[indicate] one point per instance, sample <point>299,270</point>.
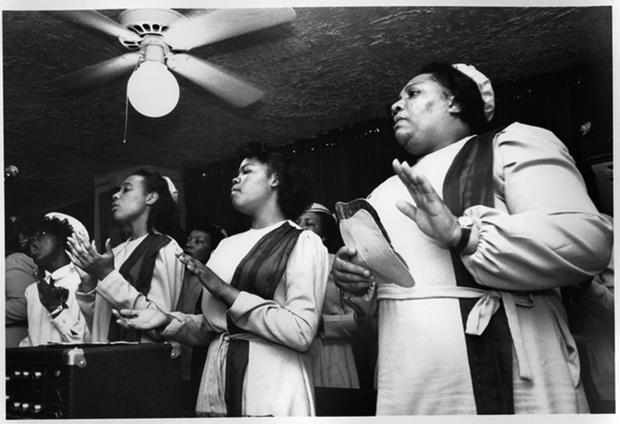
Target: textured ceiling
<point>328,68</point>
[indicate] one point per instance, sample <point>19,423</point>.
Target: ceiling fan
<point>158,40</point>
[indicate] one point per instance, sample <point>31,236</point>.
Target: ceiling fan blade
<point>198,30</point>
<point>99,72</point>
<point>212,78</point>
<point>94,19</point>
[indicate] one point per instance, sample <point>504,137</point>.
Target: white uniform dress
<point>114,292</point>
<point>542,233</point>
<point>333,361</point>
<point>69,326</point>
<point>279,331</point>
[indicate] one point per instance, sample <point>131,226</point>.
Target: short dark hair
<point>294,188</point>
<point>52,225</point>
<point>333,240</point>
<point>465,92</point>
<point>164,215</point>
<point>216,233</point>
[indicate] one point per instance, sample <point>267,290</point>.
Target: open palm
<point>430,213</point>
<point>141,319</point>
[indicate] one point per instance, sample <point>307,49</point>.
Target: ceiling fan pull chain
<point>126,118</point>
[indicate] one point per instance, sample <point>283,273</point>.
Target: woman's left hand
<point>430,213</point>
<point>141,319</point>
<point>208,278</point>
<point>86,256</point>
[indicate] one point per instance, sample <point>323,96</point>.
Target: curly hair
<point>164,215</point>
<point>294,188</point>
<point>52,225</point>
<point>465,92</point>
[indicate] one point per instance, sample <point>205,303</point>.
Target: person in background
<point>143,271</point>
<point>490,226</point>
<point>262,300</point>
<point>54,314</point>
<point>590,308</point>
<point>332,358</point>
<point>202,239</point>
<point>19,274</point>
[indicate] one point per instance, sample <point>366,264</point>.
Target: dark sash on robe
<point>469,182</point>
<point>138,271</point>
<point>259,273</point>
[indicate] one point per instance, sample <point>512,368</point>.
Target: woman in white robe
<point>538,232</point>
<point>280,327</point>
<point>142,271</point>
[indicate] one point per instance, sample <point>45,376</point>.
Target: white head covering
<point>319,208</point>
<point>484,85</point>
<point>173,190</point>
<point>77,226</point>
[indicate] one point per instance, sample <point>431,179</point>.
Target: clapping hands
<point>85,256</point>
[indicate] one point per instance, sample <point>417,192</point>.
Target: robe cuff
<point>243,303</point>
<point>174,327</point>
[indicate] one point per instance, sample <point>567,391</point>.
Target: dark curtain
<point>349,162</point>
<point>344,164</point>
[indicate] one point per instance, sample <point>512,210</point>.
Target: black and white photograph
<point>328,210</point>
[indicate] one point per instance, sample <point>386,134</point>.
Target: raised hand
<point>85,256</point>
<point>194,266</point>
<point>349,275</point>
<point>209,279</point>
<point>141,319</point>
<point>430,213</point>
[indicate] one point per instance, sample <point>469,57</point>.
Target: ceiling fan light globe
<point>152,90</point>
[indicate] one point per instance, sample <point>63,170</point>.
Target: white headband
<point>77,226</point>
<point>172,189</point>
<point>319,208</point>
<point>484,85</point>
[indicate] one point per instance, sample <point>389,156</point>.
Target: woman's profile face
<point>130,201</point>
<point>253,186</point>
<point>420,111</point>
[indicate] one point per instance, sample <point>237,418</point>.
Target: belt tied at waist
<point>480,315</point>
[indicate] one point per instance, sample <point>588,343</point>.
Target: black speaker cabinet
<point>93,381</point>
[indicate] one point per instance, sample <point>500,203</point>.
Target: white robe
<point>69,326</point>
<point>114,292</point>
<point>542,233</point>
<point>279,331</point>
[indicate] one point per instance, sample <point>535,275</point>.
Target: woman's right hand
<point>141,319</point>
<point>84,255</point>
<point>349,275</point>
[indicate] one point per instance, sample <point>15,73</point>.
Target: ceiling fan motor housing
<point>146,22</point>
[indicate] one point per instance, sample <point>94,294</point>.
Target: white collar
<point>60,273</point>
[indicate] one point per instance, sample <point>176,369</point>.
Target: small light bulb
<point>152,90</point>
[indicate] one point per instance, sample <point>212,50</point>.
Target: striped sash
<point>138,271</point>
<point>259,273</point>
<point>469,182</point>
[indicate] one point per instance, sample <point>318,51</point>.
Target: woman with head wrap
<point>333,362</point>
<point>141,272</point>
<point>54,314</point>
<point>489,226</point>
